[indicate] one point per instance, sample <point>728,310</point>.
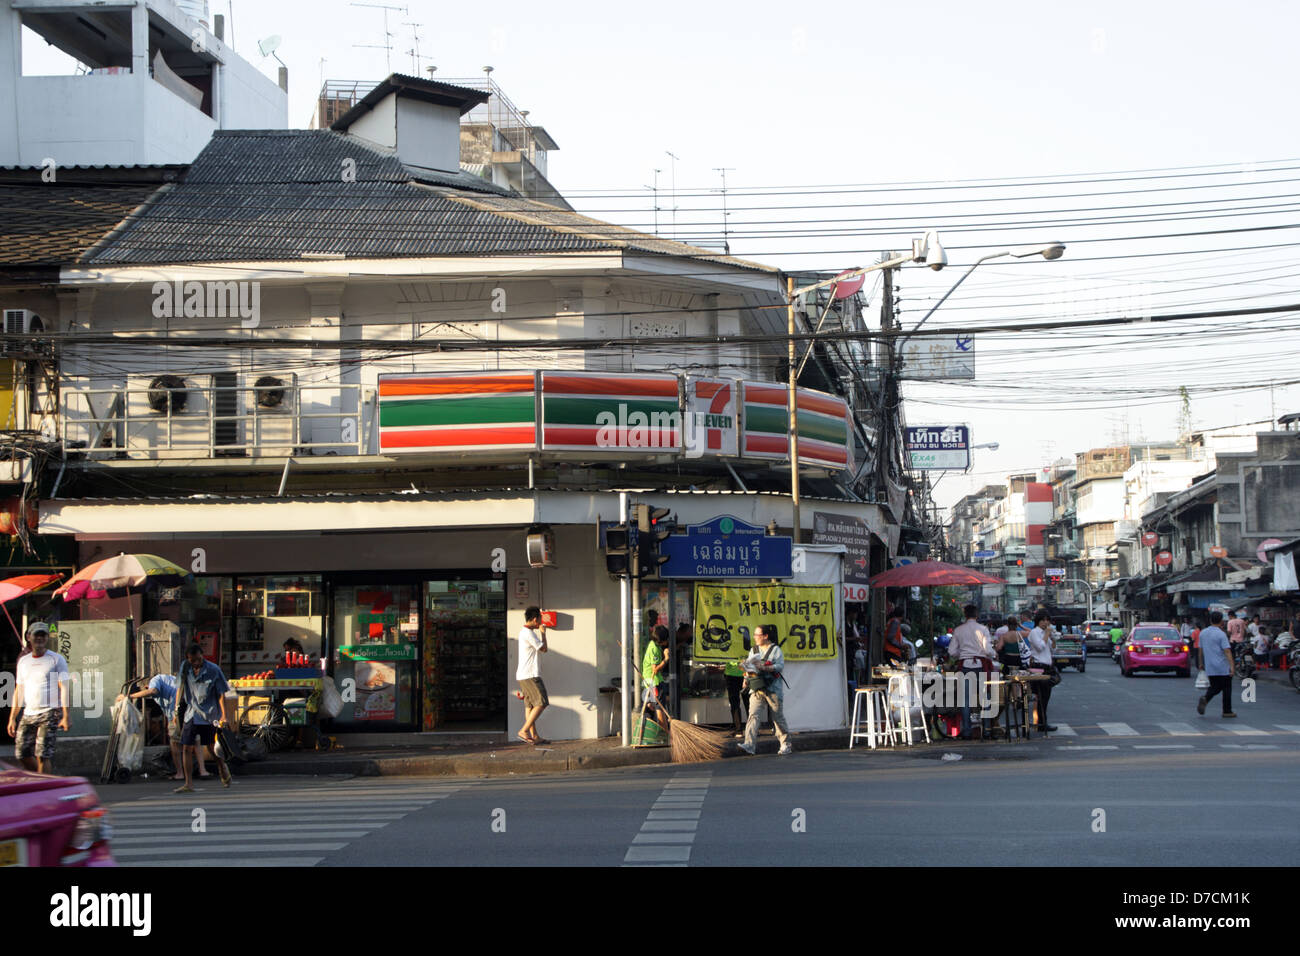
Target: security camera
<point>930,251</point>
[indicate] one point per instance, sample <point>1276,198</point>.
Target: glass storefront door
<point>465,656</point>
<point>375,629</point>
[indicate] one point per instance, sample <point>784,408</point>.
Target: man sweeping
<point>763,669</point>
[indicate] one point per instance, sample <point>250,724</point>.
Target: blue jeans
<point>964,690</point>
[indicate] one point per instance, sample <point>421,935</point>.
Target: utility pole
<point>793,402</point>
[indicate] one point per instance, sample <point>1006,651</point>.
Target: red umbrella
<point>931,574</point>
<point>11,588</point>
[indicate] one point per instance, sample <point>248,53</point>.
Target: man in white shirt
<point>971,649</point>
<point>42,696</point>
<point>532,641</point>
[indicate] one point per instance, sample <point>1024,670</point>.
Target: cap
<point>37,627</point>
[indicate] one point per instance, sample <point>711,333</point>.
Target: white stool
<point>905,692</point>
<point>880,726</point>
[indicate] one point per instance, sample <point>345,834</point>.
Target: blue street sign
<point>726,547</point>
<point>986,554</point>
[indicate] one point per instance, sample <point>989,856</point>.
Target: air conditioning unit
<point>20,322</point>
<point>271,405</point>
<point>167,415</point>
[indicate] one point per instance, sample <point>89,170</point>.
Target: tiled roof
<point>277,195</point>
<point>50,224</point>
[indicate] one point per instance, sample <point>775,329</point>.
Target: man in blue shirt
<point>202,690</point>
<point>1217,651</point>
<point>162,688</point>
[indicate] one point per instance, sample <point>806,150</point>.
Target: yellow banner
<point>800,618</point>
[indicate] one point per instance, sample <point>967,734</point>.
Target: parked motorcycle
<point>1293,663</point>
<point>1244,660</point>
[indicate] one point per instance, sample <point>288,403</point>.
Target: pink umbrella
<point>11,588</point>
<point>925,574</point>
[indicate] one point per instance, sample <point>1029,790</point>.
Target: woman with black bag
<point>1036,652</point>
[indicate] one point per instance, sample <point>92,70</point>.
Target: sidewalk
<point>500,760</point>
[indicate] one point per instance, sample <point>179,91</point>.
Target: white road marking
<point>1181,730</point>
<point>1163,747</point>
<point>673,815</point>
<point>657,854</point>
<point>205,846</point>
<point>1289,728</point>
<point>1091,747</point>
<point>669,828</point>
<point>661,839</point>
<point>252,861</point>
<point>1250,746</point>
<point>1244,731</point>
<point>1118,730</point>
<point>1065,730</point>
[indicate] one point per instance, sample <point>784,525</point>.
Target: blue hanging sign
<point>726,547</point>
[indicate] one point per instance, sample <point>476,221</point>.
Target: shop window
<point>464,656</point>
<point>375,630</point>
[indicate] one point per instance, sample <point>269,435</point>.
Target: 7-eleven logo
<point>716,418</point>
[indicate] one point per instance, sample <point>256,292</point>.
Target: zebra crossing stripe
<point>1065,730</point>
<point>1118,730</point>
<point>669,828</point>
<point>1181,730</point>
<point>1244,731</point>
<point>1289,728</point>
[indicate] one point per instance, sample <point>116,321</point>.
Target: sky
<point>1157,140</point>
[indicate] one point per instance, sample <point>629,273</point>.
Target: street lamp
<point>1053,250</point>
<point>927,249</point>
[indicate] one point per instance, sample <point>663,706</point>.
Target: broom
<point>694,744</point>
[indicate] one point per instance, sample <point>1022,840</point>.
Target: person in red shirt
<point>894,638</point>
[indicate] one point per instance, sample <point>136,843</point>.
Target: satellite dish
<point>269,45</point>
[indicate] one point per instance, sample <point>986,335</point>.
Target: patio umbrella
<point>11,588</point>
<point>931,574</point>
<point>121,575</point>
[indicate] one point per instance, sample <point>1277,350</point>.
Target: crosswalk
<point>669,828</point>
<point>253,825</point>
<point>1114,735</point>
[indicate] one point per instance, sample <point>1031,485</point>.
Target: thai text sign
<point>938,447</point>
<point>726,547</point>
<point>800,618</point>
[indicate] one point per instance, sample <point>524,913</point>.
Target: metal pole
<point>624,605</point>
<point>794,413</point>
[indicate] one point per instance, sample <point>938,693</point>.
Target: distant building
<point>154,85</point>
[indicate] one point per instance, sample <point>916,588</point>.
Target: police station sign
<point>938,447</point>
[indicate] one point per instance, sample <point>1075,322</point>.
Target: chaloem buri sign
<point>938,447</point>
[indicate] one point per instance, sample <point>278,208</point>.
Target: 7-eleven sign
<point>712,426</point>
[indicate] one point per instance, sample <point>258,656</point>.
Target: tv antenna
<point>414,52</point>
<point>387,45</point>
<point>723,170</point>
<point>673,187</point>
<point>655,192</point>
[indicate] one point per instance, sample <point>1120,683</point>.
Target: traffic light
<point>1020,562</point>
<point>618,550</point>
<point>652,527</point>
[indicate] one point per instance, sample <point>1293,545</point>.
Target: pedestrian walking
<point>532,641</point>
<point>201,691</point>
<point>162,688</point>
<point>763,675</point>
<point>1041,643</point>
<point>971,649</point>
<point>41,696</point>
<point>1217,648</point>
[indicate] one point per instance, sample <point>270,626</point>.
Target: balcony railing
<point>177,419</point>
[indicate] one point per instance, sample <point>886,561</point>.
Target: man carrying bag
<point>763,669</point>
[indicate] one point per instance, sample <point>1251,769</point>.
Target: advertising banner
<point>457,412</point>
<point>938,447</point>
<point>801,619</point>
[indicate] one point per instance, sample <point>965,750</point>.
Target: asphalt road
<point>1134,776</point>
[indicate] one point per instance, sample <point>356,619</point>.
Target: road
<point>1134,776</point>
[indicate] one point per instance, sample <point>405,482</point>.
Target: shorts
<point>534,692</point>
<point>657,692</point>
<point>36,733</point>
<point>206,733</point>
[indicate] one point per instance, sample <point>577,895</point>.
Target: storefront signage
<point>801,619</point>
<point>854,534</point>
<point>856,593</point>
<point>458,412</point>
<point>938,447</point>
<point>982,555</point>
<point>611,411</point>
<point>713,422</point>
<point>381,617</point>
<point>938,357</point>
<point>378,652</point>
<point>1149,538</point>
<point>823,426</point>
<point>726,547</point>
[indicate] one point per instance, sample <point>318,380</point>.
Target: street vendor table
<point>276,689</point>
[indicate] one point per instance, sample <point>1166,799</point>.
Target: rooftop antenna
<point>673,187</point>
<point>431,70</point>
<point>387,46</point>
<point>415,46</point>
<point>655,192</point>
<point>723,170</point>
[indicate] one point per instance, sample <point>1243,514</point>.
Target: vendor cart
<point>275,710</point>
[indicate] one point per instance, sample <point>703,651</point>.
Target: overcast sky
<point>1158,140</point>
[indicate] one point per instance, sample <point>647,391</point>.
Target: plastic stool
<point>880,727</point>
<point>904,690</point>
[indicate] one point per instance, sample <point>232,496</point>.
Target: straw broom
<point>694,744</point>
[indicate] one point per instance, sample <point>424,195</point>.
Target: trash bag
<point>1202,681</point>
<point>130,743</point>
<point>331,701</point>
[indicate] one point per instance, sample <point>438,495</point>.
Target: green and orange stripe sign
<point>450,411</point>
<point>611,411</point>
<point>823,426</point>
